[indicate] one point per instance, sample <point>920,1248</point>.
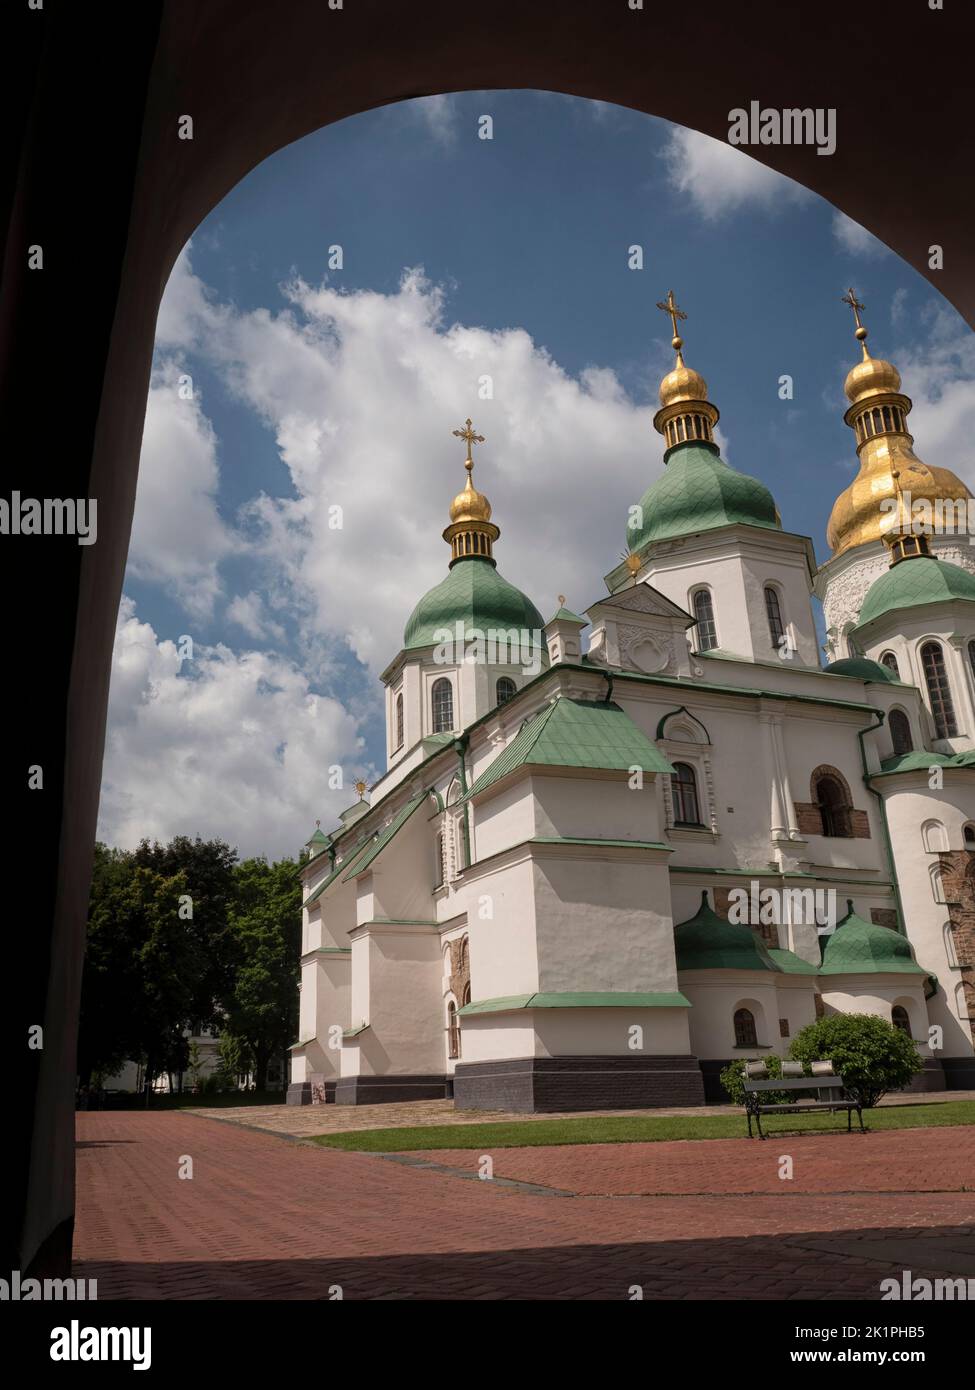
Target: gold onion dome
<point>889,467</point>
<point>471,532</point>
<point>685,413</point>
<point>470,505</point>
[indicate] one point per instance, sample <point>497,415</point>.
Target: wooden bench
<point>794,1082</point>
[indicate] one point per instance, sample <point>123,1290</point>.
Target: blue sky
<point>317,388</point>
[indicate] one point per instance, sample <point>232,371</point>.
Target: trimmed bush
<point>872,1056</point>
<point>732,1079</point>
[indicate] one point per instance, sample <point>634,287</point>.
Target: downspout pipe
<point>460,748</point>
<point>870,729</point>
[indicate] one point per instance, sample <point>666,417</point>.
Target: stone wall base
<point>299,1093</point>
<point>959,1073</point>
<point>387,1090</point>
<point>540,1085</point>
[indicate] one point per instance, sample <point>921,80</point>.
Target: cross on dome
<point>471,438</point>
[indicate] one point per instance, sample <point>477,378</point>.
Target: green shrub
<point>870,1054</point>
<point>733,1079</point>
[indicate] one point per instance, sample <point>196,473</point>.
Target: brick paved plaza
<point>268,1217</point>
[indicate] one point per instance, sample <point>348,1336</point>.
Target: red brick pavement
<point>265,1218</point>
<point>910,1160</point>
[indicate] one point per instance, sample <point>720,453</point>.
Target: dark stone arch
<point>112,227</point>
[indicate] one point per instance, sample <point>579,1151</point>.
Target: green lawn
<point>628,1129</point>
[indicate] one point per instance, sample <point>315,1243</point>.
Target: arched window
<point>969,835</point>
<point>438,864</point>
<point>900,732</point>
<point>399,720</point>
<point>442,697</point>
<point>890,661</point>
<point>971,656</point>
<point>773,611</point>
<point>745,1034</point>
<point>934,837</point>
<point>466,999</point>
<point>504,690</point>
<point>939,691</point>
<point>833,808</point>
<point>899,1018</point>
<point>453,1030</point>
<point>683,786</point>
<point>707,633</point>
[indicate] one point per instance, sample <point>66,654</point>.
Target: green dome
<point>475,594</point>
<point>863,668</point>
<point>699,492</point>
<point>707,942</point>
<point>857,947</point>
<point>910,583</point>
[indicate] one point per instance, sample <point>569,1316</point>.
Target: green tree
<point>142,969</point>
<point>208,870</point>
<point>261,1008</point>
<point>870,1054</point>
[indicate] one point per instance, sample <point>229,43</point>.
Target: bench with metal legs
<point>793,1081</point>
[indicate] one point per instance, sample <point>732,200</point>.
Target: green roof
<point>911,583</point>
<point>377,845</point>
<point>863,669</point>
<point>707,942</point>
<point>790,963</point>
<point>318,837</point>
<point>568,999</point>
<point>920,760</point>
<point>475,594</point>
<point>699,492</point>
<point>566,615</point>
<point>858,947</point>
<point>576,733</point>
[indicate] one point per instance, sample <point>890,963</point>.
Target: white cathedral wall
<point>400,883</point>
<point>905,633</point>
<point>599,1032</point>
<point>877,995</point>
<point>596,807</point>
<point>714,998</point>
<point>913,814</point>
<point>397,990</point>
<point>503,951</point>
<point>497,1037</point>
<point>323,1004</point>
<point>603,924</point>
<point>505,818</point>
<point>736,567</point>
<point>842,584</point>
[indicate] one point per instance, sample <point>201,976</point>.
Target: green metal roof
<point>699,492</point>
<point>576,733</point>
<point>920,760</point>
<point>598,999</point>
<point>863,669</point>
<point>790,963</point>
<point>858,947</point>
<point>475,594</point>
<point>707,942</point>
<point>376,846</point>
<point>566,615</point>
<point>318,837</point>
<point>911,583</point>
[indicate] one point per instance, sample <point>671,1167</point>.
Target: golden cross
<point>471,438</point>
<point>854,303</point>
<point>670,307</point>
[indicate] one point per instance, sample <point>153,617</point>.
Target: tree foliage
<point>182,937</point>
<point>871,1055</point>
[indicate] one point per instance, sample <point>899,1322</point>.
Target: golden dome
<point>871,377</point>
<point>682,384</point>
<point>470,505</point>
<point>857,518</point>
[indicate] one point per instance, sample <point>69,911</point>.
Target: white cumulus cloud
<point>233,745</point>
<point>719,178</point>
